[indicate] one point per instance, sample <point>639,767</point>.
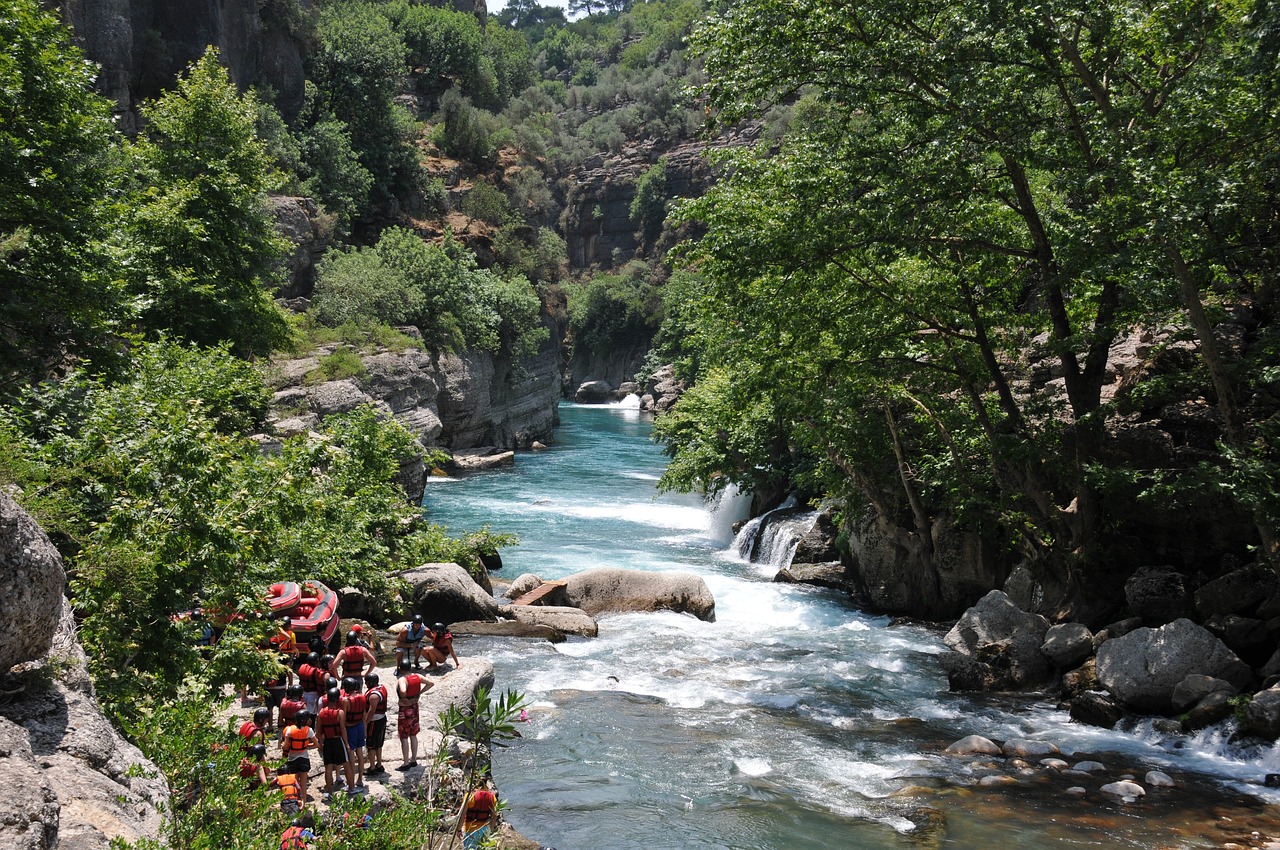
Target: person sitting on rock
<point>408,690</point>
<point>409,642</point>
<point>441,648</point>
<point>375,696</point>
<point>355,659</point>
<point>332,725</point>
<point>295,742</point>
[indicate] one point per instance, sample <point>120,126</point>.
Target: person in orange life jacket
<point>286,643</point>
<point>332,725</point>
<point>253,767</point>
<point>289,707</point>
<point>299,835</point>
<point>295,742</point>
<point>353,659</point>
<point>409,642</point>
<point>255,731</point>
<point>410,687</point>
<point>441,648</point>
<point>375,721</point>
<point>480,815</point>
<point>353,703</point>
<point>307,678</point>
<point>291,788</point>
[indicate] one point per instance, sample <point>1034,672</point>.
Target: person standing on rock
<point>355,659</point>
<point>375,722</point>
<point>332,722</point>
<point>354,704</point>
<point>441,648</point>
<point>409,642</point>
<point>294,744</point>
<point>307,678</point>
<point>408,690</point>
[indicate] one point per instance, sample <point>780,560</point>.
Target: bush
<point>614,311</point>
<point>356,285</point>
<point>486,203</point>
<point>649,207</point>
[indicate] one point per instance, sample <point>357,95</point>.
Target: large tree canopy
<point>963,184</point>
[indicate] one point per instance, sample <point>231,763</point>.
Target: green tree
<point>648,208</point>
<point>60,287</point>
<point>207,248</point>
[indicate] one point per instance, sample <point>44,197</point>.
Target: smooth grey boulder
<point>1003,641</point>
<point>507,628</point>
<point>1238,592</point>
<point>522,585</point>
<point>614,590</point>
<point>1142,668</point>
<point>31,583</point>
<point>593,392</point>
<point>1028,749</point>
<point>974,745</point>
<point>455,688</point>
<point>447,593</point>
<point>570,621</point>
<point>1196,687</point>
<point>1158,595</point>
<point>1262,714</point>
<point>1067,645</point>
<point>1095,708</point>
<point>1127,790</point>
<point>1210,709</point>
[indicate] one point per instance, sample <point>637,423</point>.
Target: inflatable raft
<point>283,596</point>
<point>316,612</point>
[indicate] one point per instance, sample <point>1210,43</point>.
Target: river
<point>794,720</point>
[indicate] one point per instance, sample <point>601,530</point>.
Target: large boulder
<point>569,621</point>
<point>1095,708</point>
<point>1002,641</point>
<point>593,392</point>
<point>1142,668</point>
<point>1238,592</point>
<point>1262,715</point>
<point>456,688</point>
<point>1067,645</point>
<point>447,593</point>
<point>31,582</point>
<point>613,590</point>
<point>1157,594</point>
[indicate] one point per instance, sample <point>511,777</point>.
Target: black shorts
<point>377,734</point>
<point>298,765</point>
<point>335,752</point>
<point>273,697</point>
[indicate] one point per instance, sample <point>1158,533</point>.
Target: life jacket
<point>252,734</point>
<point>295,838</point>
<point>352,660</point>
<point>381,691</point>
<point>330,724</point>
<point>414,638</point>
<point>284,642</point>
<point>356,704</point>
<point>295,740</point>
<point>442,642</point>
<point>414,686</point>
<point>288,783</point>
<point>289,709</point>
<point>248,767</point>
<point>480,805</point>
<point>306,675</point>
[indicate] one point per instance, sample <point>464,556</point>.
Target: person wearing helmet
<point>253,767</point>
<point>307,671</point>
<point>354,704</point>
<point>375,697</point>
<point>354,659</point>
<point>441,648</point>
<point>255,731</point>
<point>331,724</point>
<point>295,742</point>
<point>408,690</point>
<point>299,835</point>
<point>409,642</point>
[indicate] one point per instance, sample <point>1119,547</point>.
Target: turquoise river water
<point>794,720</point>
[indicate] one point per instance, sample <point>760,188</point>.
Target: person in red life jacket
<point>290,706</point>
<point>410,687</point>
<point>409,642</point>
<point>307,678</point>
<point>353,659</point>
<point>295,743</point>
<point>361,636</point>
<point>353,703</point>
<point>255,731</point>
<point>253,767</point>
<point>440,649</point>
<point>479,817</point>
<point>299,835</point>
<point>291,791</point>
<point>331,724</point>
<point>375,721</point>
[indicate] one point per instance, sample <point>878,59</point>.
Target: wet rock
<point>1067,645</point>
<point>1142,668</point>
<point>974,745</point>
<point>1054,764</point>
<point>1159,779</point>
<point>612,590</point>
<point>447,593</point>
<point>1023,748</point>
<point>1208,710</point>
<point>1002,641</point>
<point>831,574</point>
<point>593,392</point>
<point>31,583</point>
<point>1083,678</point>
<point>1088,766</point>
<point>1196,687</point>
<point>1157,595</point>
<point>1262,715</point>
<point>1127,791</point>
<point>522,585</point>
<point>1238,592</point>
<point>1076,791</point>
<point>1096,708</point>
<point>570,621</point>
<point>486,457</point>
<point>996,780</point>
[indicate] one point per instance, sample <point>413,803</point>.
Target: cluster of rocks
<point>1156,662</point>
<point>657,394</point>
<point>71,781</point>
<point>1019,760</point>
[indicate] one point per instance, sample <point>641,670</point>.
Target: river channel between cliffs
<point>794,720</point>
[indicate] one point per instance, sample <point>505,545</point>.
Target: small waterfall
<point>772,538</point>
<point>630,402</point>
<point>728,507</point>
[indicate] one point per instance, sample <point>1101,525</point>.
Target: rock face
<point>70,781</point>
<point>1144,667</point>
<point>447,593</point>
<point>143,44</point>
<point>31,582</point>
<point>998,645</point>
<point>612,590</point>
<point>298,220</point>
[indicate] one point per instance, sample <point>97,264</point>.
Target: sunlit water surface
<point>792,721</point>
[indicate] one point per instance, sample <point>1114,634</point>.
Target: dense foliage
<point>918,292</point>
